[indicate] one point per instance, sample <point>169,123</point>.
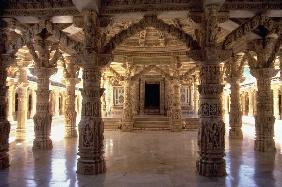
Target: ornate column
<point>196,94</point>
<point>211,132</point>
<point>71,71</point>
<point>91,127</point>
<point>103,99</point>
<point>23,101</point>
<point>263,70</point>
<point>251,103</point>
<point>234,71</point>
<point>276,102</point>
<point>109,95</point>
<point>45,66</point>
<point>4,123</point>
<point>127,116</point>
<point>11,95</point>
<point>176,112</point>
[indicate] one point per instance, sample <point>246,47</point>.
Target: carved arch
<point>249,26</point>
<point>151,21</point>
<point>71,45</point>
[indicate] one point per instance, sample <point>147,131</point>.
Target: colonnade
<point>211,134</point>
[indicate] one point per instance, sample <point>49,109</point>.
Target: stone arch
<point>151,21</point>
<point>250,26</point>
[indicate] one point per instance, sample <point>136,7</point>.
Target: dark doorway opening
<point>152,96</point>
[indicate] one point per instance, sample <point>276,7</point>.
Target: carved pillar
<point>235,118</point>
<point>4,123</point>
<point>127,116</point>
<point>33,108</point>
<point>109,96</point>
<point>55,103</point>
<point>234,77</point>
<point>11,95</point>
<point>196,95</point>
<point>135,98</point>
<point>211,133</point>
<point>176,114</point>
<point>251,103</point>
<point>45,66</point>
<point>103,99</point>
<point>142,95</point>
<point>69,110</point>
<point>42,118</point>
<point>71,72</point>
<point>23,100</point>
<point>263,70</point>
<point>276,102</point>
<point>264,117</point>
<point>91,127</point>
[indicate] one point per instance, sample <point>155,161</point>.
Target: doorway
<point>152,98</point>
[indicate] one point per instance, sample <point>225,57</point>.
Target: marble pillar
<point>264,117</point>
<point>176,112</point>
<point>91,127</point>
<point>22,103</point>
<point>276,102</point>
<point>69,109</point>
<point>211,140</point>
<point>235,117</point>
<point>44,67</point>
<point>234,74</point>
<point>263,70</point>
<point>11,95</point>
<point>127,116</point>
<point>71,72</point>
<point>196,95</point>
<point>42,118</point>
<point>251,103</point>
<point>4,123</point>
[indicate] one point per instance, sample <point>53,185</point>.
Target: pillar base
<point>70,133</point>
<point>211,168</point>
<point>235,134</point>
<point>127,126</point>
<point>4,161</point>
<point>42,144</point>
<point>266,145</point>
<point>87,167</point>
<point>20,134</point>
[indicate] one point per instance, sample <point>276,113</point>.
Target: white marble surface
<point>141,159</point>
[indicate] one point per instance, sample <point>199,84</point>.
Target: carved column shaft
<point>42,118</point>
<point>91,127</point>
<point>127,116</point>
<point>4,124</point>
<point>264,117</point>
<point>235,118</point>
<point>276,102</point>
<point>11,95</point>
<point>211,133</point>
<point>69,109</point>
<point>176,114</point>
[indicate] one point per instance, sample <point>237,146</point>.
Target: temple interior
<point>141,93</point>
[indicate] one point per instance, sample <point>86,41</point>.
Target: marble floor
<point>141,159</point>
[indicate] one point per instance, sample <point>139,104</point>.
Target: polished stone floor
<point>142,159</point>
